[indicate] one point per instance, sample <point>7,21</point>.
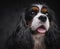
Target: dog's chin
<point>40,30</point>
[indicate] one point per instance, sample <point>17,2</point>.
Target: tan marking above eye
<point>35,8</point>
<point>44,10</point>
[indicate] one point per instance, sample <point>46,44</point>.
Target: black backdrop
<point>9,15</point>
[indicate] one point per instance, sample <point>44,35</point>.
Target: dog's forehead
<point>37,5</point>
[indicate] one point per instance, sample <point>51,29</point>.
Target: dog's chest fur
<point>39,41</point>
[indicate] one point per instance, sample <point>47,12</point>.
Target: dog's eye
<point>34,10</point>
<point>44,10</point>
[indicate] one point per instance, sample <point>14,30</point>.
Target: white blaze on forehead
<point>39,6</point>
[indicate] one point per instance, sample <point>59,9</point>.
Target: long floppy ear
<point>52,36</point>
<point>21,38</point>
<point>53,21</point>
<point>22,22</point>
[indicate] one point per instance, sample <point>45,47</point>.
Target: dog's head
<point>39,17</point>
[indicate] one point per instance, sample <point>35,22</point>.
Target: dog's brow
<point>35,8</point>
<point>44,10</point>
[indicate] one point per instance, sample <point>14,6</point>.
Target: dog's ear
<point>53,34</point>
<point>22,21</point>
<point>52,17</point>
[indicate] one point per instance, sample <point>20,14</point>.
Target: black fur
<point>22,39</point>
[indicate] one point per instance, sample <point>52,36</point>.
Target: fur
<point>24,38</point>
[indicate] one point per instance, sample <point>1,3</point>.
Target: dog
<point>36,29</point>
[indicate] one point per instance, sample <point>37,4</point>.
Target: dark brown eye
<point>44,10</point>
<point>33,13</point>
<point>34,10</point>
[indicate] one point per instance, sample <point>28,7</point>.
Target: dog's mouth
<point>41,29</point>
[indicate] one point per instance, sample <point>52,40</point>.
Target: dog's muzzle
<point>40,24</point>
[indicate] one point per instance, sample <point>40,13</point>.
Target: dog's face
<point>37,18</point>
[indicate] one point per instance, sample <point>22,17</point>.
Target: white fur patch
<point>36,22</point>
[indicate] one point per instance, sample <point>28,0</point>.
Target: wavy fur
<point>22,37</point>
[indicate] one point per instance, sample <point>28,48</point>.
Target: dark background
<point>10,12</point>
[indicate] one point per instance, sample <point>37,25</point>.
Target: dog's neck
<point>39,41</point>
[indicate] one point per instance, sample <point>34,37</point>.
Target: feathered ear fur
<point>53,34</point>
<point>21,38</point>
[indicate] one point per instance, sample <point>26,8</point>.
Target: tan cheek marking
<point>29,23</point>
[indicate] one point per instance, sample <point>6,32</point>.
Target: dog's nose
<point>43,18</point>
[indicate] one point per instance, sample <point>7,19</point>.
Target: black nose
<point>43,18</point>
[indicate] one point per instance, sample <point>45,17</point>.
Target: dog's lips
<point>41,30</point>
